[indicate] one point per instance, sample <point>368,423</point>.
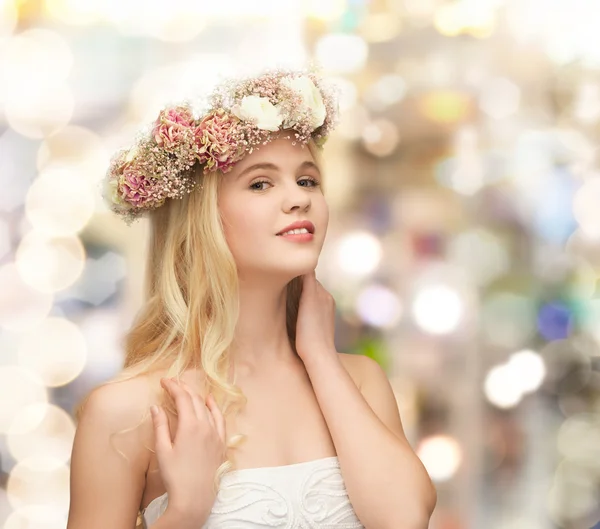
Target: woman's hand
<point>315,327</point>
<point>188,462</point>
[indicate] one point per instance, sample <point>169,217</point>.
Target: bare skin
<point>279,400</point>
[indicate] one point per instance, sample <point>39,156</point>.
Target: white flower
<point>261,110</point>
<point>311,96</point>
<point>110,193</point>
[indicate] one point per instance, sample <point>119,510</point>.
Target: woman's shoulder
<point>353,363</point>
<point>120,400</point>
<point>125,403</point>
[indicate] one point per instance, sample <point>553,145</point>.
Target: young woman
<point>234,410</point>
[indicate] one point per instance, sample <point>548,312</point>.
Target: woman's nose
<point>297,198</point>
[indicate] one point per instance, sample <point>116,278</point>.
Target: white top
<point>308,495</point>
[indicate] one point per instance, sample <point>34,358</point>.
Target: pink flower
<point>172,125</point>
<point>218,138</point>
<point>134,186</point>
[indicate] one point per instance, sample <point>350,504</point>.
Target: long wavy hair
<point>190,309</point>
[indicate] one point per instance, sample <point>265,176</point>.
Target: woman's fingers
<point>161,429</point>
<point>199,407</point>
<point>190,405</point>
<point>186,414</point>
<point>219,420</point>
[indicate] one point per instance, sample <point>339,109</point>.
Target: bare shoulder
<point>119,405</point>
<point>110,456</point>
<point>356,365</point>
<point>376,389</point>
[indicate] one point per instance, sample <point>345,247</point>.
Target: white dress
<point>309,495</point>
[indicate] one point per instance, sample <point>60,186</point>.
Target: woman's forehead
<point>282,152</point>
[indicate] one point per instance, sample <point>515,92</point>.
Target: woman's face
<point>267,191</point>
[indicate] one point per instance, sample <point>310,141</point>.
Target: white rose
<point>111,194</point>
<point>257,108</point>
<point>312,98</point>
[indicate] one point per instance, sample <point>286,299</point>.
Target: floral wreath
<point>242,115</point>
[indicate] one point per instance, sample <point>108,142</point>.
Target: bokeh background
<point>462,252</point>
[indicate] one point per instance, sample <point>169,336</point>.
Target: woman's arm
<point>387,484</point>
<point>106,488</point>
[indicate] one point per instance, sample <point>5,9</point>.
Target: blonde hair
<point>190,311</point>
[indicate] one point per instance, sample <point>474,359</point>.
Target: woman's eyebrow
<point>304,165</point>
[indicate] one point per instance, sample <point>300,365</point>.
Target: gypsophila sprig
<point>243,114</point>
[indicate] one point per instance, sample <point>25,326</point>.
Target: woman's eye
<point>258,186</point>
<point>309,182</point>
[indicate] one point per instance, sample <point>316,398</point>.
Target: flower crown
<point>242,115</point>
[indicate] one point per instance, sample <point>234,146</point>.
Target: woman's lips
<point>297,237</point>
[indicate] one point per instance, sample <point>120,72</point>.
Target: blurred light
<point>55,351</point>
<point>173,21</point>
<point>591,318</point>
<point>379,306</point>
<point>99,281</point>
<point>508,319</point>
<point>388,90</point>
<point>568,365</point>
<point>447,20</point>
<point>465,172</point>
<point>39,482</point>
<point>9,17</point>
<point>77,149</point>
<point>281,46</point>
<point>359,253</point>
<point>348,93</point>
<point>586,107</point>
<point>36,517</point>
<point>553,216</point>
<point>15,169</point>
<point>177,82</point>
<point>437,309</point>
<point>59,203</point>
<point>52,436</point>
<point>578,440</point>
<point>380,137</point>
<point>49,264</point>
<point>500,388</point>
<point>103,330</point>
<point>36,64</point>
<point>445,106</point>
<point>528,370</point>
<point>35,58</point>
<point>554,321</point>
<point>341,53</point>
<point>420,11</point>
<point>19,388</point>
<point>585,207</point>
<point>21,306</point>
<point>160,19</point>
<point>567,31</point>
<point>353,122</point>
<point>481,254</point>
<point>465,16</point>
<point>380,27</point>
<point>4,239</point>
<point>76,12</point>
<point>500,98</point>
<point>441,455</point>
<point>584,280</point>
<point>37,112</point>
<point>326,11</point>
<point>573,495</point>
